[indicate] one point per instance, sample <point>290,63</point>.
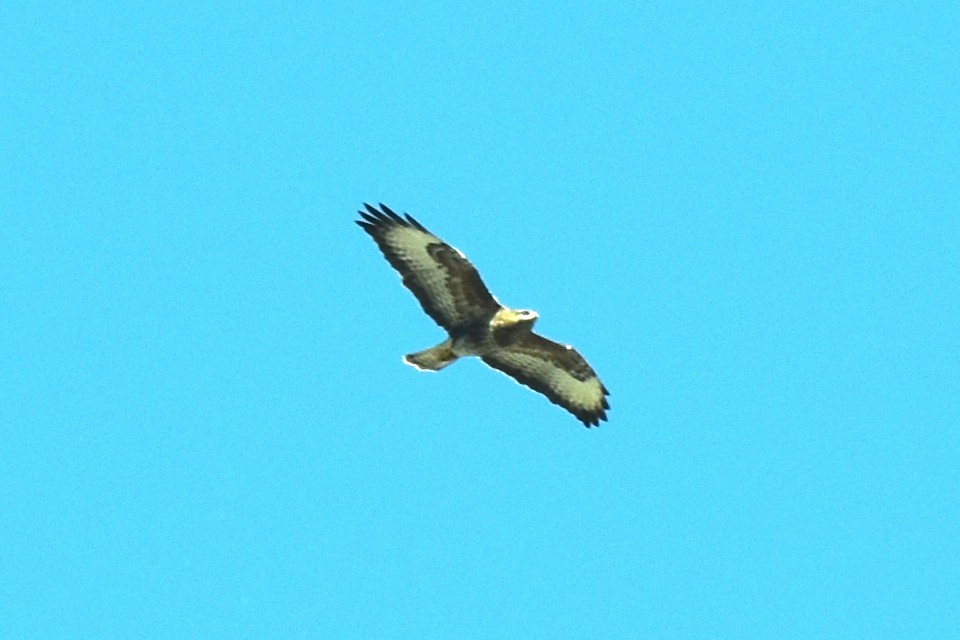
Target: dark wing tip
<point>375,220</point>
<point>593,417</point>
<point>413,222</point>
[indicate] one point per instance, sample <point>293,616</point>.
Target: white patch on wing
<point>410,245</point>
<point>586,394</point>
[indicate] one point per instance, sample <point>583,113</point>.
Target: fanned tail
<point>434,358</point>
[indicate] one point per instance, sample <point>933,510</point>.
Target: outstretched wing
<point>558,372</point>
<point>443,280</point>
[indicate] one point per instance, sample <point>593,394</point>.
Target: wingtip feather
<point>415,224</point>
<point>385,216</point>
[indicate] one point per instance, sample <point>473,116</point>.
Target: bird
<point>451,292</point>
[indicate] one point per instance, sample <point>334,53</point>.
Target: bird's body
<point>451,292</point>
<point>503,328</point>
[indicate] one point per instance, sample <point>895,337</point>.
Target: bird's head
<point>514,320</point>
<point>524,318</point>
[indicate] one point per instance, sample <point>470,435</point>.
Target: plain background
<point>744,214</point>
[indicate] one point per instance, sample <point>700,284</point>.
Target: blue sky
<point>744,215</point>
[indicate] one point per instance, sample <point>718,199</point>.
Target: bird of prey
<point>451,292</point>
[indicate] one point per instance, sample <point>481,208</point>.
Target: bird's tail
<point>434,358</point>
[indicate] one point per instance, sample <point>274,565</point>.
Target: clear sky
<point>745,215</point>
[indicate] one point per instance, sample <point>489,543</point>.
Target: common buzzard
<point>451,292</point>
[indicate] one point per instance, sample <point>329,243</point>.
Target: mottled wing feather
<point>443,280</point>
<point>558,372</point>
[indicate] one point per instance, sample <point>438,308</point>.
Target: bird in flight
<point>451,292</point>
